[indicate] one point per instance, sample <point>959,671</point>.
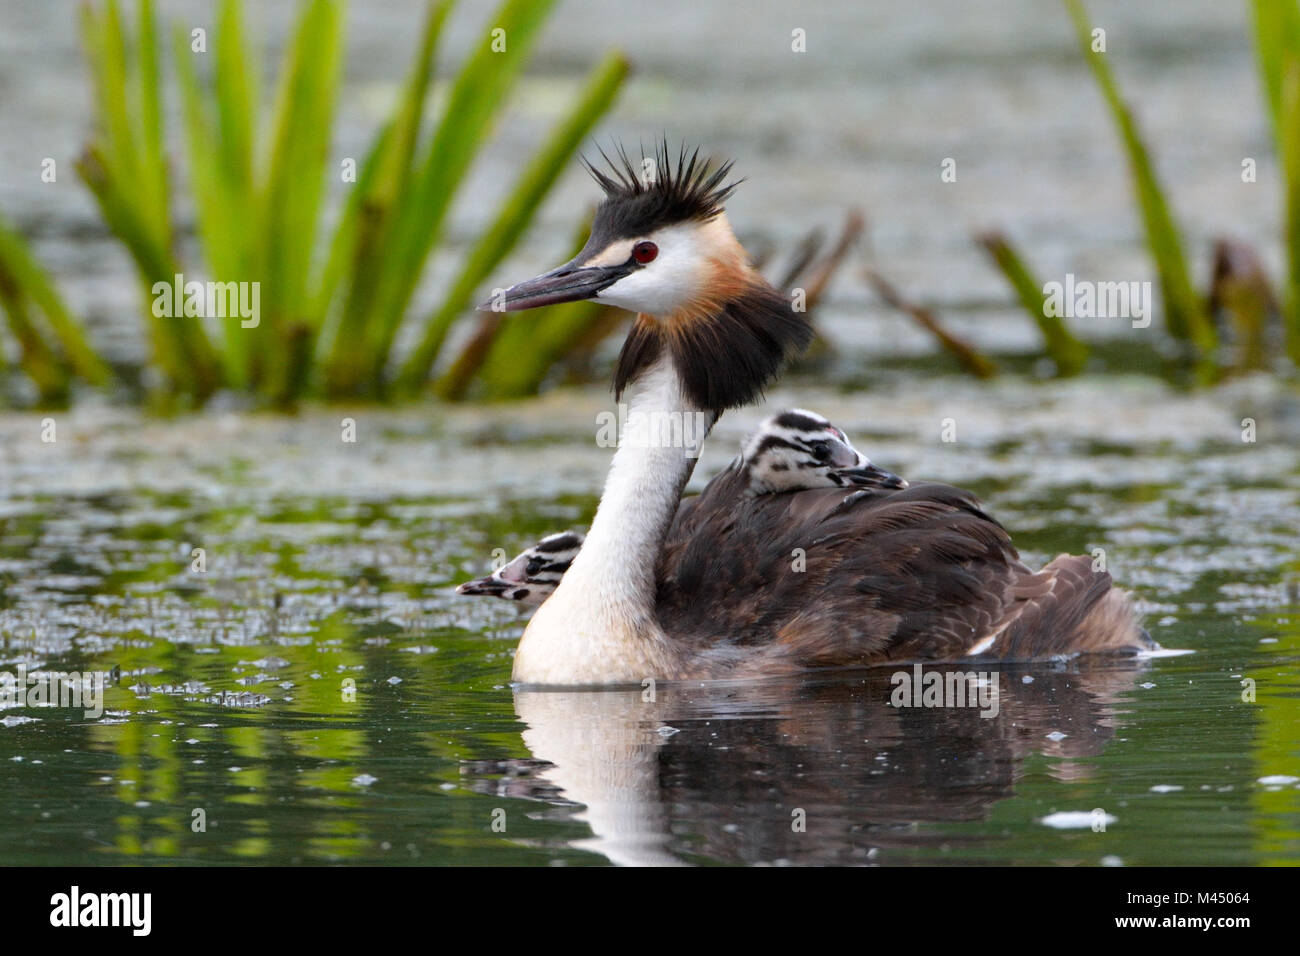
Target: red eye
<point>644,252</point>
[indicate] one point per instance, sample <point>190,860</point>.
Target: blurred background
<point>329,558</point>
<point>863,118</point>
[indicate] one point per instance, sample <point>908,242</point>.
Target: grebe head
<point>799,449</point>
<point>661,246</point>
<point>532,575</point>
<point>658,241</point>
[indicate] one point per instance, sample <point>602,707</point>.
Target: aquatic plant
<point>1277,53</point>
<point>1064,349</point>
<point>52,349</point>
<point>334,294</point>
<point>1186,319</point>
<point>1230,327</point>
<point>969,358</point>
<point>126,169</point>
<point>324,310</point>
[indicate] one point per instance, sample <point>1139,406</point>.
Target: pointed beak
<point>489,586</point>
<point>569,283</point>
<point>867,474</point>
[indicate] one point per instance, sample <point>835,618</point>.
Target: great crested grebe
<point>790,451</point>
<point>730,585</point>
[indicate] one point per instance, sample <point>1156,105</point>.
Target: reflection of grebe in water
<point>720,769</point>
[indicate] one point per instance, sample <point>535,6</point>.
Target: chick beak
<point>489,586</point>
<point>867,474</point>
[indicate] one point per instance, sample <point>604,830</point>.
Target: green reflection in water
<point>233,697</point>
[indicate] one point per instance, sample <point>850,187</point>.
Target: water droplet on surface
<point>1075,819</point>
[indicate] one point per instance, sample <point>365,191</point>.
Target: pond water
<point>320,694</point>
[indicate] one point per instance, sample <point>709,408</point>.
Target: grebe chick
<point>533,574</point>
<point>798,449</point>
<point>792,450</point>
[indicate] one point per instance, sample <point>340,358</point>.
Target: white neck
<point>599,626</point>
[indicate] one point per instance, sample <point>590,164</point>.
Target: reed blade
<point>970,358</point>
<point>359,253</point>
<point>289,198</point>
<point>1065,350</point>
<point>30,281</point>
<point>473,105</point>
<point>516,211</point>
<point>1185,316</point>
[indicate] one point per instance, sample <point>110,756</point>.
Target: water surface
<point>321,695</point>
<point>329,562</point>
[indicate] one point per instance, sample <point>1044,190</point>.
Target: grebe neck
<point>680,372</point>
<point>599,626</point>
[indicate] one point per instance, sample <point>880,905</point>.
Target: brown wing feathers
<point>917,573</point>
<point>1066,608</point>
